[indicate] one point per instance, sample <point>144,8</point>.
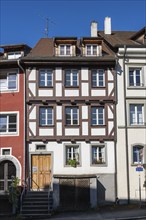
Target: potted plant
<point>14,193</point>
<point>73,162</point>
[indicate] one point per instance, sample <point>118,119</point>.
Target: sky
<point>24,21</point>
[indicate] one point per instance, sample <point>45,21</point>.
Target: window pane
<point>45,78</point>
<point>49,78</point>
<point>42,78</point>
<point>138,154</point>
<point>68,50</point>
<point>93,116</point>
<point>72,153</point>
<point>100,116</point>
<point>132,115</point>
<point>75,78</point>
<point>42,116</point>
<point>131,78</point>
<point>94,50</point>
<point>94,78</point>
<point>3,123</point>
<point>62,50</point>
<point>137,77</point>
<point>12,81</point>
<point>101,78</point>
<point>12,123</point>
<point>75,116</point>
<point>71,115</point>
<point>98,154</point>
<point>46,117</point>
<point>139,114</point>
<point>88,50</point>
<point>67,78</point>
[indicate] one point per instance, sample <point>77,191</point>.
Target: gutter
<point>126,123</point>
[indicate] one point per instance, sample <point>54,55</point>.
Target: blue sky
<point>24,21</point>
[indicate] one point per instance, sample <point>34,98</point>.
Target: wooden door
<point>41,171</point>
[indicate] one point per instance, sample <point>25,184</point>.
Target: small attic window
<point>14,55</point>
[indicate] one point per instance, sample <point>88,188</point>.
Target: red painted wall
<point>14,101</point>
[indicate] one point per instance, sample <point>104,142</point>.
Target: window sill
<point>97,126</point>
<point>71,126</point>
<point>137,126</point>
<point>45,87</point>
<point>98,87</point>
<point>9,134</point>
<point>8,91</point>
<point>136,87</point>
<point>99,165</point>
<point>46,126</point>
<point>72,87</point>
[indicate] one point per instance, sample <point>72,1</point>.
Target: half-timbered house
<point>71,98</point>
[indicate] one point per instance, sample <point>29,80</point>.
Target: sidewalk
<point>120,212</point>
<point>105,213</point>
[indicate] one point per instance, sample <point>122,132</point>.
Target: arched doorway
<point>7,170</point>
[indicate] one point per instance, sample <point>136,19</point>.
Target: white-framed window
<point>98,154</point>
<point>14,55</point>
<point>65,50</point>
<point>72,154</point>
<point>71,77</point>
<point>136,77</point>
<point>45,78</point>
<point>72,115</point>
<point>97,116</point>
<point>46,116</point>
<point>8,81</point>
<point>136,114</point>
<point>138,154</point>
<point>98,78</point>
<point>6,151</point>
<point>92,50</point>
<point>8,123</point>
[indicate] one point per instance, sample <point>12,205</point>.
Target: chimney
<point>93,29</point>
<point>107,25</point>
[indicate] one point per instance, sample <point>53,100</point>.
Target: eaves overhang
<point>69,60</point>
<point>8,63</point>
<point>132,51</point>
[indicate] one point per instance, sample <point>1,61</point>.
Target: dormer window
<point>65,50</point>
<point>14,55</point>
<point>92,50</point>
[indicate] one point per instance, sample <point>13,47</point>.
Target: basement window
<point>40,147</point>
<point>5,151</point>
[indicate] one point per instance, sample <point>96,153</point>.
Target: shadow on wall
<point>78,194</point>
<point>101,192</point>
<point>5,205</point>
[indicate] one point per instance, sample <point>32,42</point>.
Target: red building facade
<point>12,115</point>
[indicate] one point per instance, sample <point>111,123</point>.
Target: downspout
<point>24,164</point>
<point>115,125</point>
<point>126,123</point>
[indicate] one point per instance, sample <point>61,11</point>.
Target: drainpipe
<point>24,174</point>
<point>115,125</point>
<point>126,123</point>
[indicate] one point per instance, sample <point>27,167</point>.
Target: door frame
<point>30,166</point>
<point>17,164</point>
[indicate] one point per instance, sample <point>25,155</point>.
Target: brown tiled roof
<point>44,47</point>
<point>14,46</point>
<point>119,38</point>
